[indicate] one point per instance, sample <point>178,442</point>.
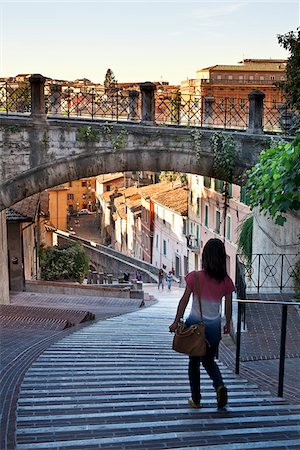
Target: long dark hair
<point>214,259</point>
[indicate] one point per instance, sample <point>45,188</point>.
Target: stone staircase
<point>118,385</point>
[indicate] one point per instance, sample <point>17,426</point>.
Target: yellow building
<point>81,194</point>
<point>58,206</point>
<point>69,198</point>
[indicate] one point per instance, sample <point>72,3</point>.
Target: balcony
<point>193,243</point>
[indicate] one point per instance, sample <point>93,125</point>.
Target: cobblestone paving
<point>117,384</point>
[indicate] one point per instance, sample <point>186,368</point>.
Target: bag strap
<point>197,291</point>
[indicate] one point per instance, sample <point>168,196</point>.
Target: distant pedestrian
<point>161,279</point>
<point>138,276</point>
<point>169,280</point>
<point>214,285</point>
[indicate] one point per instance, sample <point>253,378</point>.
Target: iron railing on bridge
<point>175,108</point>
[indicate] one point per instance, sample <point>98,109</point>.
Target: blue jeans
<point>161,283</point>
<point>211,367</point>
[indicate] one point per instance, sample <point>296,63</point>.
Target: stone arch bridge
<point>38,152</point>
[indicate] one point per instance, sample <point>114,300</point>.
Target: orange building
<point>219,94</point>
<point>58,206</point>
<point>81,194</point>
<point>69,198</point>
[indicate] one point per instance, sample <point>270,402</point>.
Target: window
<point>156,241</point>
<point>206,216</point>
<point>184,227</point>
<point>218,222</point>
<point>70,196</point>
<point>219,185</point>
<point>241,77</point>
<point>242,103</point>
<point>272,77</point>
<point>229,189</point>
<point>251,77</point>
<point>228,228</point>
<point>164,247</point>
<point>107,187</point>
<point>229,77</point>
<point>191,197</point>
<point>191,228</point>
<point>243,195</point>
<point>219,77</point>
<point>83,183</point>
<point>70,183</point>
<point>198,207</point>
<point>207,182</point>
<point>197,234</point>
<point>261,78</point>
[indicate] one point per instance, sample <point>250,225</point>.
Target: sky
<point>138,40</point>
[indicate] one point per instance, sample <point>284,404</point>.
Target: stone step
<point>129,390</point>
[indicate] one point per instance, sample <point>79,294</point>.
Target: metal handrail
<point>241,311</point>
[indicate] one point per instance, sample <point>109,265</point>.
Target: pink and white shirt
<point>212,292</point>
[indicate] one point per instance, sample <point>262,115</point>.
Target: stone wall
<point>56,287</point>
<point>271,241</point>
<point>4,290</point>
<point>16,257</point>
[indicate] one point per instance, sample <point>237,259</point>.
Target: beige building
<point>211,215</point>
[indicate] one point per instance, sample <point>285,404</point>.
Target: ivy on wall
<point>90,134</point>
<point>196,136</point>
<point>223,147</point>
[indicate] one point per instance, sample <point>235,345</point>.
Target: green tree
<point>273,184</point>
<point>68,261</point>
<point>173,176</point>
<point>109,80</point>
<point>245,238</point>
<point>291,87</point>
<point>19,98</point>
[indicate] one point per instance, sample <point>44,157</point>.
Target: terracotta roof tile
<point>26,209</point>
<point>175,199</point>
<point>109,177</point>
<point>152,189</point>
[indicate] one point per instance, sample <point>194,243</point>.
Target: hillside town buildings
<point>167,223</point>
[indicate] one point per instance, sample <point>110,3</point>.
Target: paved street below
<point>86,227</point>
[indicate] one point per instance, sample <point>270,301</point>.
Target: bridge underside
<point>35,156</point>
